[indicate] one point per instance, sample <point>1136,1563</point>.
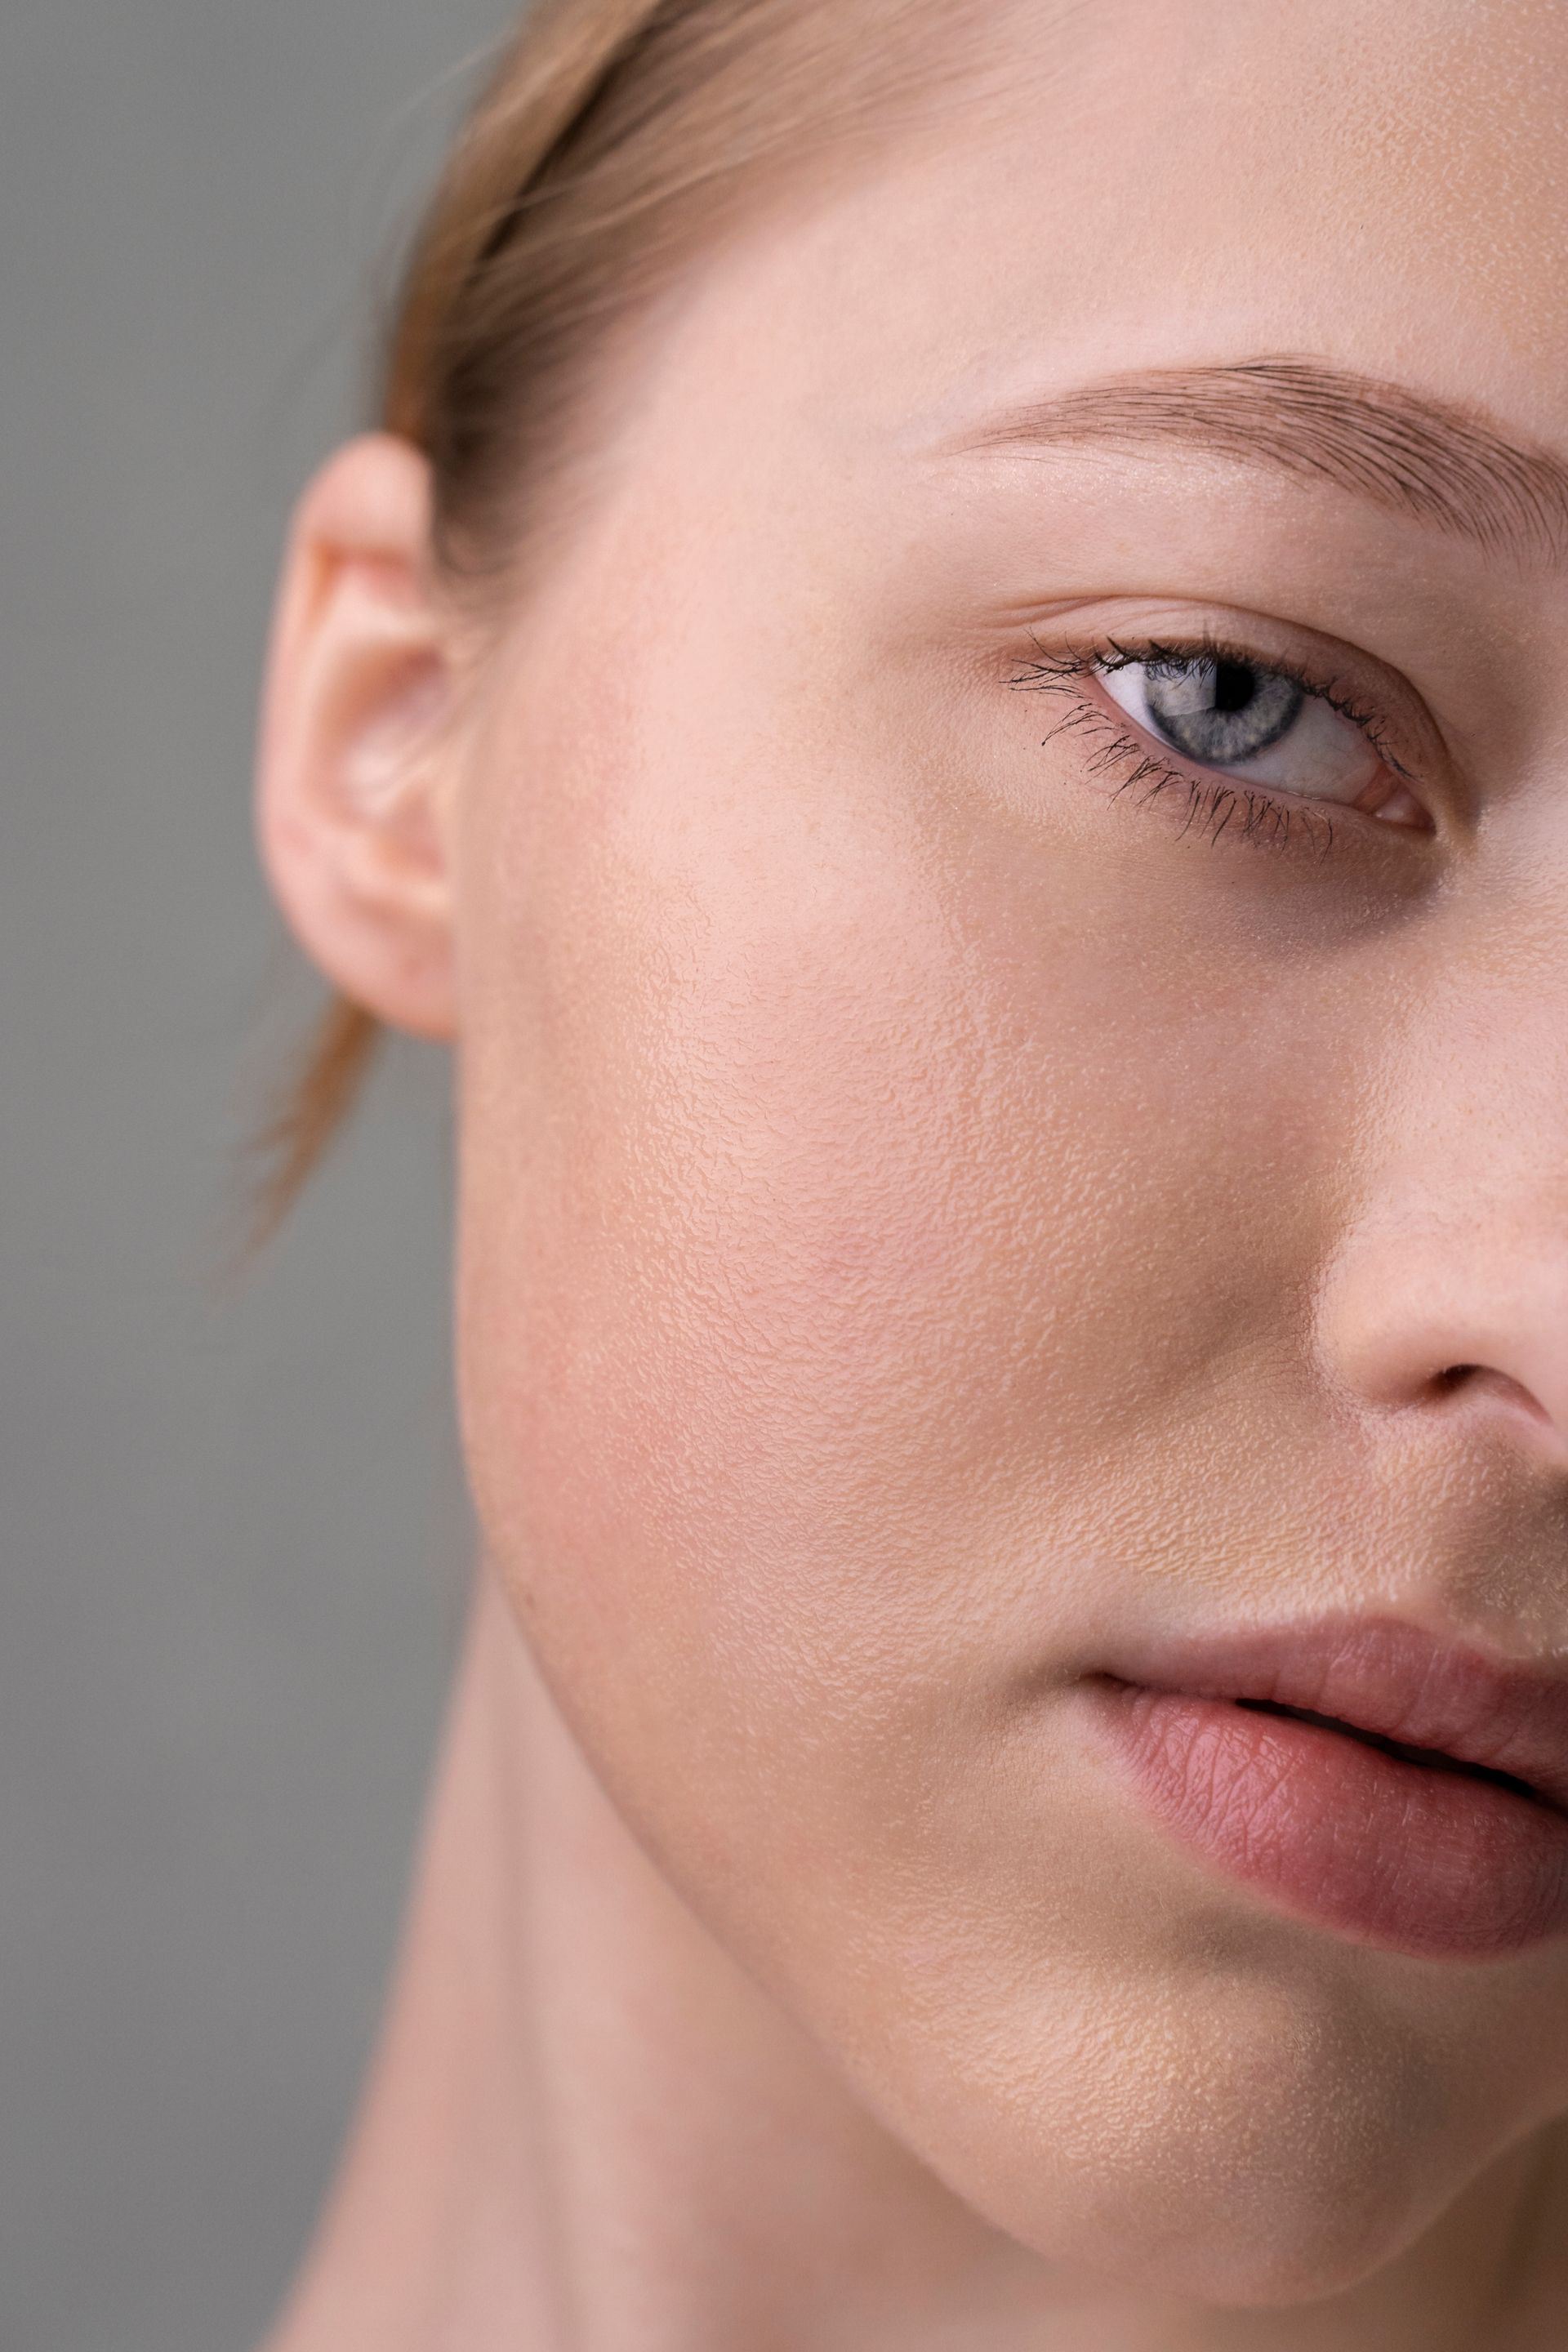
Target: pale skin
<point>921,1208</point>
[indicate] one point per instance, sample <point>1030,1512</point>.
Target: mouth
<point>1434,1759</point>
<point>1408,1793</point>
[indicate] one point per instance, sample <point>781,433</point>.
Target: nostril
<point>1465,1330</point>
<point>1486,1378</point>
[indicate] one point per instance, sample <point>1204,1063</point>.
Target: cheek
<point>860,1231</point>
<point>843,1200</point>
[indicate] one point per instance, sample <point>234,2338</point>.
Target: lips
<point>1409,1793</point>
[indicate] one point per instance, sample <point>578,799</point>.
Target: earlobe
<point>355,750</point>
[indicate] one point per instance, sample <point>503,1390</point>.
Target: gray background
<point>235,1547</point>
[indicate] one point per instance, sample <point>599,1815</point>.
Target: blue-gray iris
<point>1220,711</point>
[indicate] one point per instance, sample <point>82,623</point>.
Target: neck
<point>587,2130</point>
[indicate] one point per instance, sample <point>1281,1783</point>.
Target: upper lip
<point>1388,1679</point>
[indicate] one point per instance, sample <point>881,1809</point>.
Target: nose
<point>1447,1295</point>
<point>1432,1313</point>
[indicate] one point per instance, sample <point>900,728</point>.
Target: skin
<point>924,1216</point>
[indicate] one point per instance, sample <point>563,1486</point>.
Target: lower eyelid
<point>1210,804</point>
<point>1386,809</point>
<point>1210,801</point>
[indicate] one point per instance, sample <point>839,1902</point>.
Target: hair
<point>614,139</point>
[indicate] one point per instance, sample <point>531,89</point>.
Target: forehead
<point>1131,182</point>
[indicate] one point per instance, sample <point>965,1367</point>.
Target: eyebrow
<point>1427,460</point>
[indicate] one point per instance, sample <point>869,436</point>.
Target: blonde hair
<point>613,139</point>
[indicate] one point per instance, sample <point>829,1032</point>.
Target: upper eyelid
<point>1157,649</point>
<point>1129,650</point>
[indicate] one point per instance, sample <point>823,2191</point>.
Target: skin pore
<point>952,1188</point>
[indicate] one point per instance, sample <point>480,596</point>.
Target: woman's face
<point>1012,994</point>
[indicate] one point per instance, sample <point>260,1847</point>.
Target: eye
<point>1258,724</point>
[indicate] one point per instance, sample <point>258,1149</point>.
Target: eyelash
<point>1268,819</point>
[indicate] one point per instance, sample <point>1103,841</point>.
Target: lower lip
<point>1402,1855</point>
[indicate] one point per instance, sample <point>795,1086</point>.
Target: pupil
<point>1220,711</point>
<point>1234,685</point>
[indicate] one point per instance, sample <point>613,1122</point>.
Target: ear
<point>354,780</point>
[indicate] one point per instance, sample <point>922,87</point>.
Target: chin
<point>1251,2145</point>
<point>1254,2240</point>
